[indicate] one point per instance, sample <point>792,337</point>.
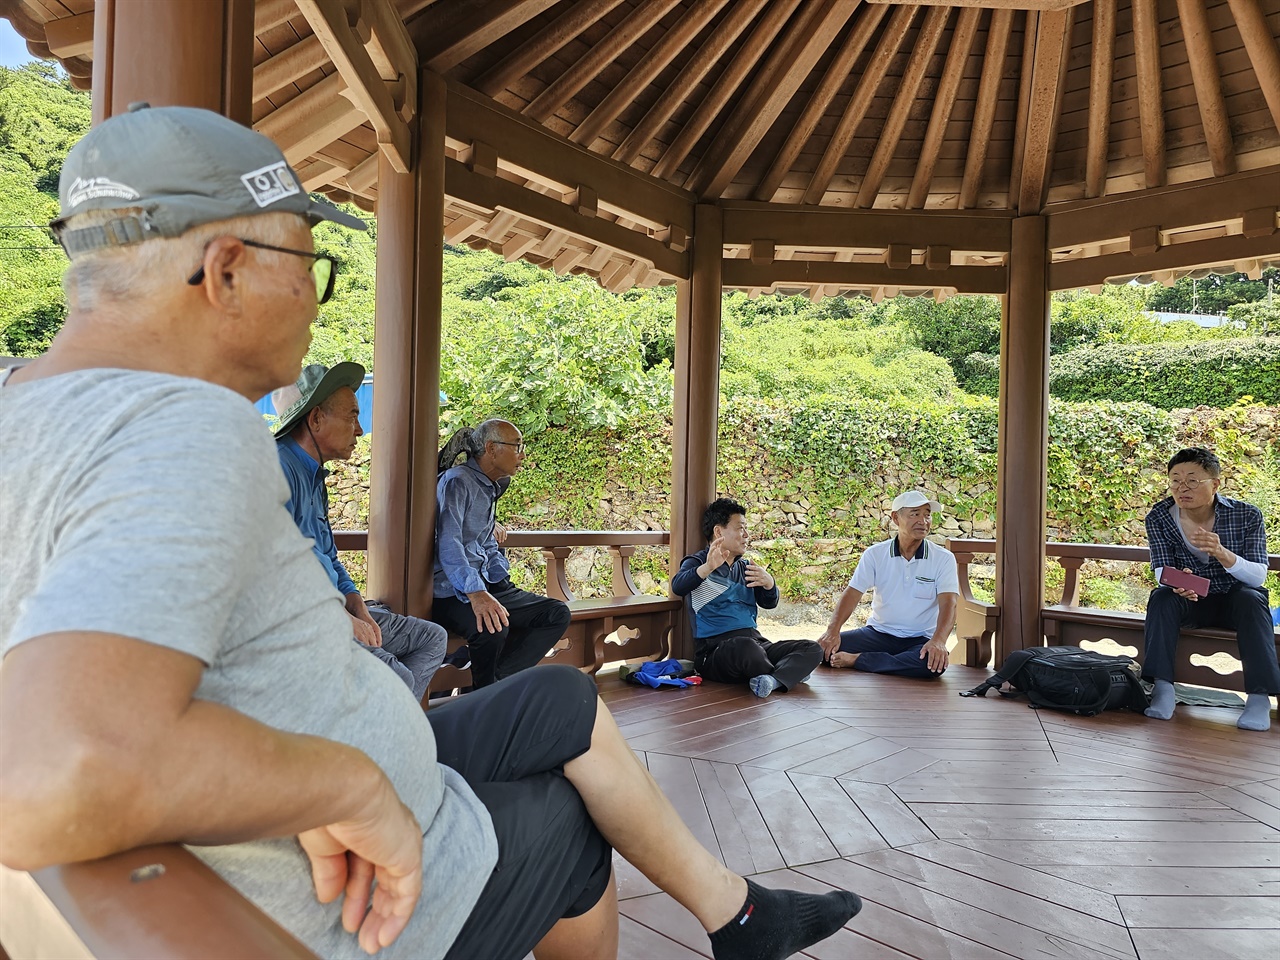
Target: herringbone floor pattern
<point>971,828</point>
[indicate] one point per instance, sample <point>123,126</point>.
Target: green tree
<point>1211,294</point>
<point>41,116</point>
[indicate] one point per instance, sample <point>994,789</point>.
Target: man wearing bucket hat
<point>217,698</point>
<point>319,422</point>
<point>914,606</point>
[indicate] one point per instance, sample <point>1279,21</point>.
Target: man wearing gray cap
<point>216,697</point>
<point>914,606</point>
<point>319,422</point>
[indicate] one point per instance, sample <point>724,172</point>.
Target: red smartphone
<point>1173,577</point>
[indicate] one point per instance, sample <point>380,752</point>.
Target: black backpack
<point>1068,678</point>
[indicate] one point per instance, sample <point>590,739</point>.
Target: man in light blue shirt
<point>320,421</point>
<point>507,629</point>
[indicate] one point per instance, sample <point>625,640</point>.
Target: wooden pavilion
<point>1010,147</point>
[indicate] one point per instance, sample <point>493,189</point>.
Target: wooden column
<point>406,363</point>
<point>1023,446</point>
<point>195,54</point>
<point>697,395</point>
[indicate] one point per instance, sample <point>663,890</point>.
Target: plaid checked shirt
<point>1238,525</point>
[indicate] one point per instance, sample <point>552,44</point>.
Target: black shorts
<point>510,741</point>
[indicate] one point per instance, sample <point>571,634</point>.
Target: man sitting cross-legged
<point>722,591</point>
<point>319,422</point>
<point>217,698</point>
<point>914,606</point>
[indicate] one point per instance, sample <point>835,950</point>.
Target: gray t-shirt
<point>152,507</point>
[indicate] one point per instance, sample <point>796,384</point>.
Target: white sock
<point>1162,701</point>
<point>763,685</point>
<point>1257,713</point>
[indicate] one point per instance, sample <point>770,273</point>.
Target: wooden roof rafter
<point>935,21</point>
<point>777,80</point>
<point>856,108</point>
<point>944,102</point>
<point>658,57</point>
<point>837,72</point>
<point>1101,70</point>
<point>746,57</point>
<point>739,16</point>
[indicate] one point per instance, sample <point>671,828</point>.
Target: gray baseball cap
<point>183,167</point>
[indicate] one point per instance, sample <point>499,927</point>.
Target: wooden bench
<point>1068,623</point>
<point>158,901</point>
<point>644,623</point>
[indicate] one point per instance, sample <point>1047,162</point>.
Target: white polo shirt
<point>905,603</point>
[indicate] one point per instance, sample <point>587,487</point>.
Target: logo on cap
<point>97,187</point>
<point>268,184</point>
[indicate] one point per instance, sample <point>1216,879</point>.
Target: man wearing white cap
<point>914,607</point>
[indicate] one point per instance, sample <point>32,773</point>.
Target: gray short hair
<point>131,273</point>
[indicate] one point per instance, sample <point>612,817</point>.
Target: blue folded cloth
<point>659,673</point>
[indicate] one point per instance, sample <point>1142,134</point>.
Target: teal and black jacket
<point>721,605</point>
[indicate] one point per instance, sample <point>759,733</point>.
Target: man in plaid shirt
<point>1197,530</point>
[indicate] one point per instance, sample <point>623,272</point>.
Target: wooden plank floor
<point>970,828</point>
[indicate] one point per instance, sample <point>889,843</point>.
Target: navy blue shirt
<point>309,505</point>
<point>468,558</point>
<point>1238,525</point>
<point>722,604</point>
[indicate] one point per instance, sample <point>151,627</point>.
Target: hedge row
<point>1213,373</point>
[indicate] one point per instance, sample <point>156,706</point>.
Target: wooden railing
<point>642,624</point>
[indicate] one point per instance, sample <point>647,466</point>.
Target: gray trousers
<point>412,648</point>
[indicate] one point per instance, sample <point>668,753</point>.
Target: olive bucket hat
<point>316,385</point>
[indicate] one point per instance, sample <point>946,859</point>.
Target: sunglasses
<point>324,269</point>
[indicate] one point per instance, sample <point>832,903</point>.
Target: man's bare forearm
<point>946,616</point>
<point>114,765</point>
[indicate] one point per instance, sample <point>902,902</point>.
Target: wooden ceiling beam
<point>856,108</point>
<point>70,36</point>
<point>1260,43</point>
<point>493,193</point>
<point>654,61</point>
<point>1146,54</point>
<point>313,119</point>
<point>278,71</point>
<point>1173,208</point>
<point>943,102</point>
<point>1208,83</point>
<point>598,56</point>
<point>1072,274</point>
<point>794,225</point>
<point>1053,38</point>
<point>364,174</point>
<point>450,33</point>
<point>272,13</point>
<point>744,59</point>
<point>739,17</point>
<point>542,45</point>
<point>790,62</point>
<point>540,154</point>
<point>1101,70</point>
<point>965,279</point>
<point>984,111</point>
<point>345,41</point>
<point>816,106</point>
<point>1030,20</point>
<point>926,45</point>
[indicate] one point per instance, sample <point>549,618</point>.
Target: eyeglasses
<point>507,443</point>
<point>1187,484</point>
<point>323,269</point>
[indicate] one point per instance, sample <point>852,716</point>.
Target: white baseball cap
<point>914,498</point>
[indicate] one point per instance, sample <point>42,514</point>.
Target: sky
<point>13,49</point>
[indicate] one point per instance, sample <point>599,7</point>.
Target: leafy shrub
<point>1168,375</point>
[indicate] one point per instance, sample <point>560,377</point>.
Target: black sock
<point>773,924</point>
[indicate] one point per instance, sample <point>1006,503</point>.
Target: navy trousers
<point>880,652</point>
